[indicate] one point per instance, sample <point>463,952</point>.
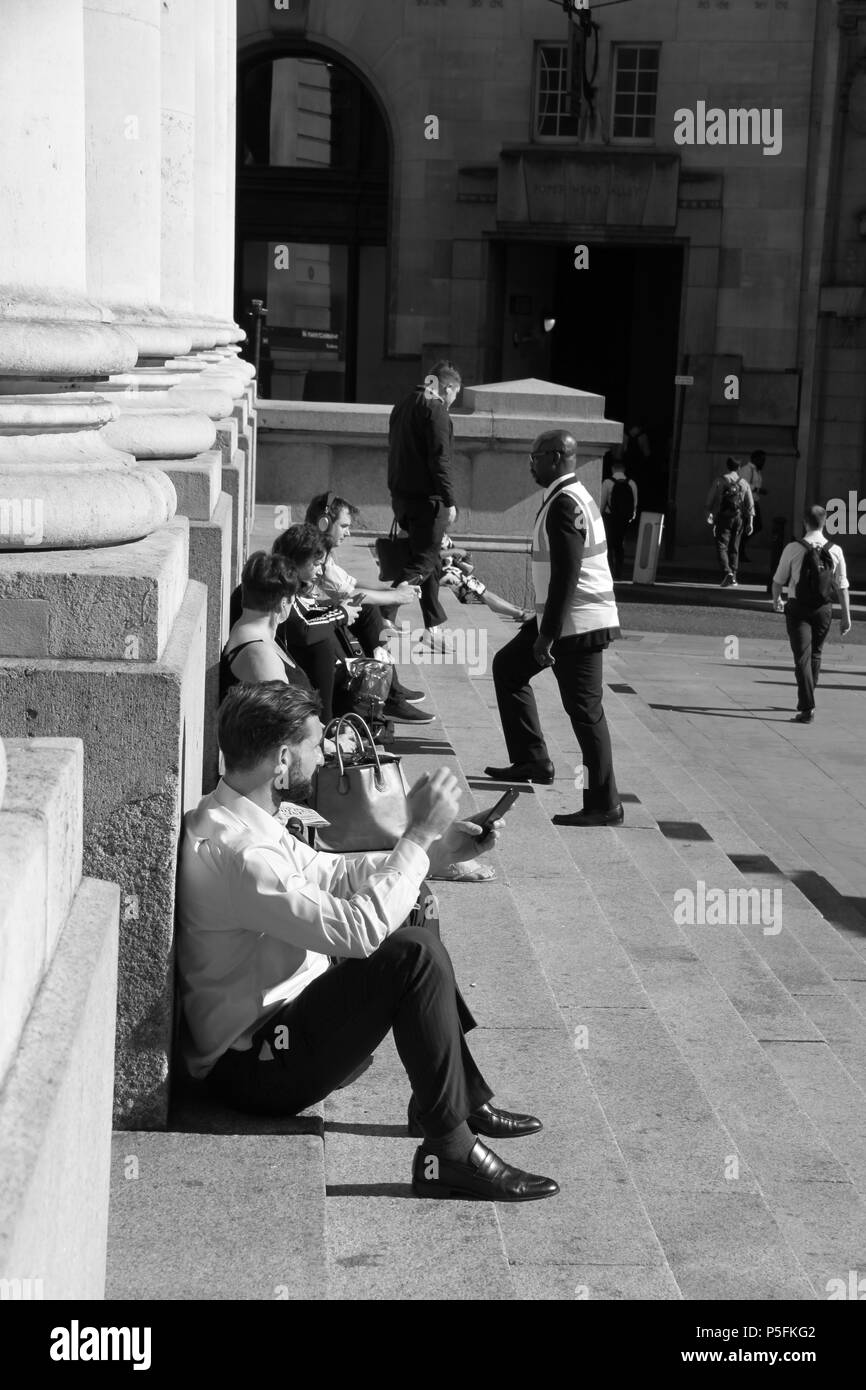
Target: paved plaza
<point>701,1084</point>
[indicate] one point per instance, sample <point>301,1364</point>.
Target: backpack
<point>731,501</point>
<point>621,503</point>
<point>815,586</point>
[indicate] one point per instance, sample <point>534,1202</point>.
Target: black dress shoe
<point>486,1120</point>
<point>543,772</point>
<point>402,713</point>
<point>614,817</point>
<point>483,1175</point>
<point>502,1124</point>
<point>803,716</point>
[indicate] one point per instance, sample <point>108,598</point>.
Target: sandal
<point>467,871</point>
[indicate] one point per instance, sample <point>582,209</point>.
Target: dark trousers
<point>369,624</point>
<point>728,535</point>
<point>319,660</point>
<point>406,985</point>
<point>578,672</point>
<point>424,520</point>
<point>807,632</point>
<point>615,532</point>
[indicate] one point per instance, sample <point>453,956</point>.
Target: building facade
<point>639,194</point>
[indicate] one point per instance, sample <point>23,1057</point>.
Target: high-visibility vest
<point>592,604</point>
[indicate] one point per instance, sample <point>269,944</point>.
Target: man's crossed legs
<point>326,1033</point>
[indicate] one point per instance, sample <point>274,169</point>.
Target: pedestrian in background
<point>753,474</point>
<point>618,505</point>
<point>813,570</point>
<point>730,512</point>
<point>421,483</point>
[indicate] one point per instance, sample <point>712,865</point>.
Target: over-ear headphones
<point>326,520</point>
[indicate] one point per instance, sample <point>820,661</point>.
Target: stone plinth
<point>73,490</point>
<point>159,432</point>
<point>121,664</point>
<point>308,448</point>
<point>57,1023</point>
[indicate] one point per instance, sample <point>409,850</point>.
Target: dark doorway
<point>312,210</point>
<point>616,332</point>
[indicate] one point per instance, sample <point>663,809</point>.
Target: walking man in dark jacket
<point>421,484</point>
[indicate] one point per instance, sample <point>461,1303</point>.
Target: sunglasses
<point>543,453</point>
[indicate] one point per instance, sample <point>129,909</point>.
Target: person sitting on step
<point>252,652</point>
<point>333,517</point>
<point>314,632</point>
<point>294,964</point>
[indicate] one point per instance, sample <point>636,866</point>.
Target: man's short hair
<point>266,580</point>
<point>732,463</point>
<point>814,516</point>
<point>758,457</point>
<point>446,374</point>
<point>299,544</point>
<point>254,720</point>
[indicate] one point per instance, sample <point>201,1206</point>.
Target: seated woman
<point>252,653</point>
<point>315,630</point>
<point>333,517</point>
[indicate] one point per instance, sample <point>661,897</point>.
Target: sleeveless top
<point>294,674</point>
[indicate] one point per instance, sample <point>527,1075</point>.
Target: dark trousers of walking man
<point>426,520</point>
<point>615,531</point>
<point>728,535</point>
<point>807,632</point>
<point>577,667</point>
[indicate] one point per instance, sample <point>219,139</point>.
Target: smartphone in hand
<point>503,805</point>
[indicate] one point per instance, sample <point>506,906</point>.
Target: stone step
<point>673,1142</point>
<point>216,1217</point>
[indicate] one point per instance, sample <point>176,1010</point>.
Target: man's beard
<point>298,790</point>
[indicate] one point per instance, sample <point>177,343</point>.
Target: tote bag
<point>362,795</point>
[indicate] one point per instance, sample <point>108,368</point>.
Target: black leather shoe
<point>486,1120</point>
<point>803,716</point>
<point>502,1124</point>
<point>614,817</point>
<point>543,772</point>
<point>483,1176</point>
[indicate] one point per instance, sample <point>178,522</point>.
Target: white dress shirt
<point>791,562</point>
<point>259,914</point>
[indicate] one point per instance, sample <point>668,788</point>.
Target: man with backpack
<point>813,571</point>
<point>731,513</point>
<point>618,506</point>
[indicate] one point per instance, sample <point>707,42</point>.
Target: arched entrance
<point>314,162</point>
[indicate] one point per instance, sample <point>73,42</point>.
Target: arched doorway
<point>314,162</point>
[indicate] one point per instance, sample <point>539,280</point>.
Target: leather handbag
<point>392,553</point>
<point>362,795</point>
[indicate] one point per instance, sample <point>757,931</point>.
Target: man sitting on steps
<point>275,1025</point>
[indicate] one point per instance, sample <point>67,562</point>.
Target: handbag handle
<point>351,723</point>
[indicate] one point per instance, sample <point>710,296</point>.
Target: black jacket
<point>420,436</point>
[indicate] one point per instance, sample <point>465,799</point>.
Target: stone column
<point>102,634</point>
<point>123,134</point>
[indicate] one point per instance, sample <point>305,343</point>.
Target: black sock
<point>456,1145</point>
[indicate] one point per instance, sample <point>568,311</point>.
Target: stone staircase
<point>702,1086</point>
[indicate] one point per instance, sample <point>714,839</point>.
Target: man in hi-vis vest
<point>576,618</point>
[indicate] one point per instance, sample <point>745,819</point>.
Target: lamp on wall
<point>545,324</point>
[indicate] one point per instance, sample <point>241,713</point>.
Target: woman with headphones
<point>333,517</point>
